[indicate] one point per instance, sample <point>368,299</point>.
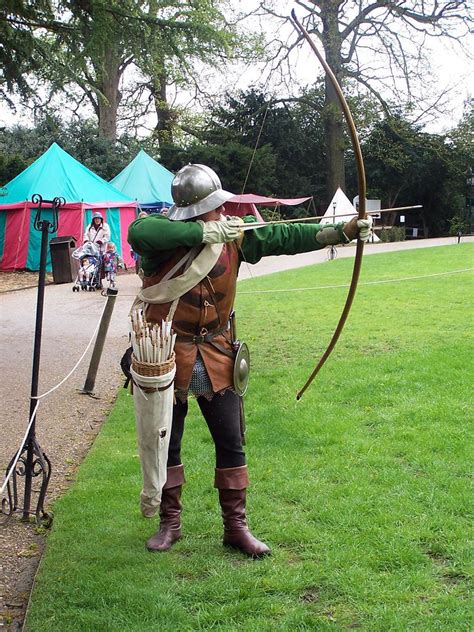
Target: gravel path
<point>68,421</point>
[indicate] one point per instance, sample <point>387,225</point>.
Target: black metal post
<point>99,342</point>
<point>32,461</point>
<point>31,440</point>
<point>469,199</point>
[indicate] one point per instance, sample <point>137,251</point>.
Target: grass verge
<point>361,488</point>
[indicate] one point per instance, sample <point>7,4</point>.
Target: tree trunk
<point>164,115</point>
<point>109,95</point>
<point>333,119</point>
<point>426,228</point>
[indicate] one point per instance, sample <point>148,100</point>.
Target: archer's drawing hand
<point>218,232</point>
<point>358,229</point>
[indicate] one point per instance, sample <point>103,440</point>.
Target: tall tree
<point>19,50</point>
<point>409,166</point>
<point>378,45</point>
<point>90,44</point>
<point>183,60</point>
<point>271,146</point>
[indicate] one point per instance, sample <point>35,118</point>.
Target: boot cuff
<point>175,476</point>
<point>232,478</point>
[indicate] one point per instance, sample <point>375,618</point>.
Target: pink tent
<point>56,173</point>
<point>245,204</point>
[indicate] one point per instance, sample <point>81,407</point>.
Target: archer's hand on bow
<point>358,229</point>
<point>221,231</point>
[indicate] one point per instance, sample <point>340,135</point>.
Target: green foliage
<point>458,225</point>
<point>462,136</point>
<point>230,161</point>
<point>408,166</point>
<point>271,214</point>
<point>18,51</point>
<point>10,166</point>
<point>394,233</point>
<point>362,488</point>
<point>293,130</point>
<point>89,45</point>
<point>20,146</point>
<point>261,145</point>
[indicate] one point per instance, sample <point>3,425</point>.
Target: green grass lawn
<point>361,488</point>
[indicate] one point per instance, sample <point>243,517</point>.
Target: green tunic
<point>156,237</point>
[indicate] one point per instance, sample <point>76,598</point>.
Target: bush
<point>271,214</point>
<point>394,233</point>
<point>458,225</point>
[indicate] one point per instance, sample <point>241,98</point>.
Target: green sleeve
<point>155,237</point>
<point>283,239</point>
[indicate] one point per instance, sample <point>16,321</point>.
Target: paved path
<point>67,421</point>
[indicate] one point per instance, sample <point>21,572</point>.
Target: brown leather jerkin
<point>203,309</point>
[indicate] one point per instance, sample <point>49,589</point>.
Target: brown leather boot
<point>232,483</point>
<point>170,512</point>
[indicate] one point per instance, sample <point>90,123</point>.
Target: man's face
<point>212,216</point>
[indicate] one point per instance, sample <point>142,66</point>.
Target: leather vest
<point>206,308</point>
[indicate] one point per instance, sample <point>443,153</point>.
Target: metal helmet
<point>196,189</point>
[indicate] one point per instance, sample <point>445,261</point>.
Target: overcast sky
<point>449,68</point>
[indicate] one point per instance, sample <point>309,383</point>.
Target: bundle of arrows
<point>151,343</point>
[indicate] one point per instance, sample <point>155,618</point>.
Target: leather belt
<point>208,337</point>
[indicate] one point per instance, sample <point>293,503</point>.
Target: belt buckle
<point>202,335</point>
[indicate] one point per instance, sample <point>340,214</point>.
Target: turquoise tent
<point>146,181</point>
<point>58,174</point>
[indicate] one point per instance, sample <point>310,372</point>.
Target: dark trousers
<point>222,415</point>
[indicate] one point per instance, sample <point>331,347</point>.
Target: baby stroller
<point>89,275</point>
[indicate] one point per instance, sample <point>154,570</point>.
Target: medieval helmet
<point>196,189</point>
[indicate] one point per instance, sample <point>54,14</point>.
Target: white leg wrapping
<point>153,416</point>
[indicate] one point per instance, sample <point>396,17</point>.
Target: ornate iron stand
<point>32,463</point>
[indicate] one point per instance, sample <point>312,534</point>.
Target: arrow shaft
<point>254,225</point>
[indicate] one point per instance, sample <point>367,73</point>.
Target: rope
<point>20,449</point>
<point>77,363</point>
<point>345,285</point>
<point>255,150</point>
<point>39,397</point>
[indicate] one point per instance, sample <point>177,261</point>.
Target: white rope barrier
<point>39,397</point>
<point>10,472</point>
<point>77,363</point>
<point>332,287</point>
<point>345,285</point>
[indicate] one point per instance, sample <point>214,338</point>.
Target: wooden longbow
<point>362,206</point>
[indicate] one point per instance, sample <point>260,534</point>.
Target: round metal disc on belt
<point>241,369</point>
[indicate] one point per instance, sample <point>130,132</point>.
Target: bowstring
<point>285,358</point>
